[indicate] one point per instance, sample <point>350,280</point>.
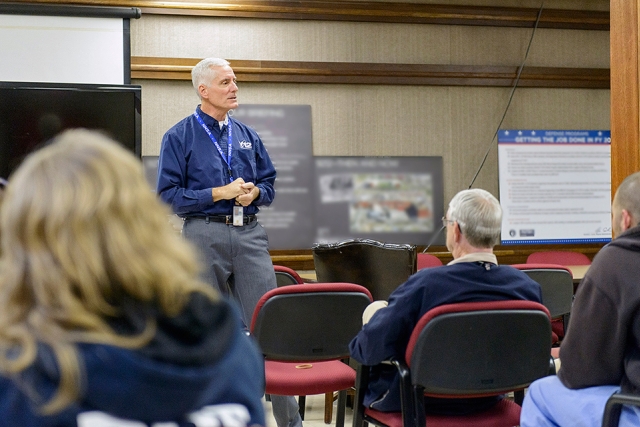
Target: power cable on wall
<point>495,134</point>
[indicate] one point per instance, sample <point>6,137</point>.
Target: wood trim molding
<point>362,11</point>
<point>367,73</point>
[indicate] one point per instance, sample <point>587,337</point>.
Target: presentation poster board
<point>285,131</point>
<point>328,199</point>
<point>390,199</point>
<point>555,186</point>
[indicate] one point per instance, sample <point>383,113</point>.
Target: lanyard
<point>213,139</point>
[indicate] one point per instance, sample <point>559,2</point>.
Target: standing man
<point>600,353</point>
<point>473,224</point>
<point>214,172</point>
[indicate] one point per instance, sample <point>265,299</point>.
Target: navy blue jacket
<point>190,166</point>
<point>387,333</point>
<point>197,362</point>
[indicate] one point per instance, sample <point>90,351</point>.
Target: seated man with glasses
<point>473,224</point>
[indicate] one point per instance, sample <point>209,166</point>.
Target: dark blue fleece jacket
<point>200,366</point>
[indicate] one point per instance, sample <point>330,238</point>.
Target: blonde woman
<point>102,317</point>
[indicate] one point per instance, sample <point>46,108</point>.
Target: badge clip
<point>238,217</point>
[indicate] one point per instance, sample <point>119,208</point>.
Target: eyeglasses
<point>446,221</point>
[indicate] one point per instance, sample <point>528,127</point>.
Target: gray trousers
<point>236,261</point>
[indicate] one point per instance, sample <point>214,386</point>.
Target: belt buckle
<point>228,219</point>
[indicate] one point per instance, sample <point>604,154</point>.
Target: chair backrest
<point>425,260</point>
<point>379,267</point>
<point>314,321</point>
<point>480,348</point>
<point>286,276</point>
<point>556,283</point>
<point>558,257</point>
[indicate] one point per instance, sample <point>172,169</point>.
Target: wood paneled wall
<point>409,78</point>
<point>383,88</point>
<point>443,87</point>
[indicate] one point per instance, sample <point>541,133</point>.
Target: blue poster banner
<point>554,136</point>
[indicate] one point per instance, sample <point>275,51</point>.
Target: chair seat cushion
<point>505,413</point>
<point>296,379</point>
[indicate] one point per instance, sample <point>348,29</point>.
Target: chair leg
<point>518,396</point>
<point>362,379</point>
<point>301,404</point>
<point>328,407</point>
<point>342,404</point>
<point>351,397</point>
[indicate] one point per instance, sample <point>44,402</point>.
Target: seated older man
<point>473,224</point>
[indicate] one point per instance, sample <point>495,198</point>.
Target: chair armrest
<point>411,398</point>
<point>407,392</point>
<point>613,408</point>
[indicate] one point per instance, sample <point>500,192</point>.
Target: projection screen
<point>65,44</point>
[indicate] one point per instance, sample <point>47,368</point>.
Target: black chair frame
<point>613,408</point>
<point>285,279</point>
<point>467,354</point>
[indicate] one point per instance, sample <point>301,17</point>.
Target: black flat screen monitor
<point>33,113</point>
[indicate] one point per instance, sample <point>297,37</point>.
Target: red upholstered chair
<point>427,260</point>
<point>558,257</point>
<point>303,332</point>
<point>286,276</point>
<point>467,350</point>
<point>556,282</point>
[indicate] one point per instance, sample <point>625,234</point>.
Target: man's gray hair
<point>628,196</point>
<point>479,216</point>
<point>205,71</point>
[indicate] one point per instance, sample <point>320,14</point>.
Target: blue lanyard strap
<point>227,160</point>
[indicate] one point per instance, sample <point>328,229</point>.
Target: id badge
<point>237,215</point>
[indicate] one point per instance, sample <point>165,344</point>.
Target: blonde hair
<point>83,231</point>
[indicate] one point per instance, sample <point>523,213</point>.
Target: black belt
<point>227,219</point>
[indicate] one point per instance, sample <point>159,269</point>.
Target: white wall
<point>61,49</point>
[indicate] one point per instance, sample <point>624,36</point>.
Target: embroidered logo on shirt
<point>245,145</point>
